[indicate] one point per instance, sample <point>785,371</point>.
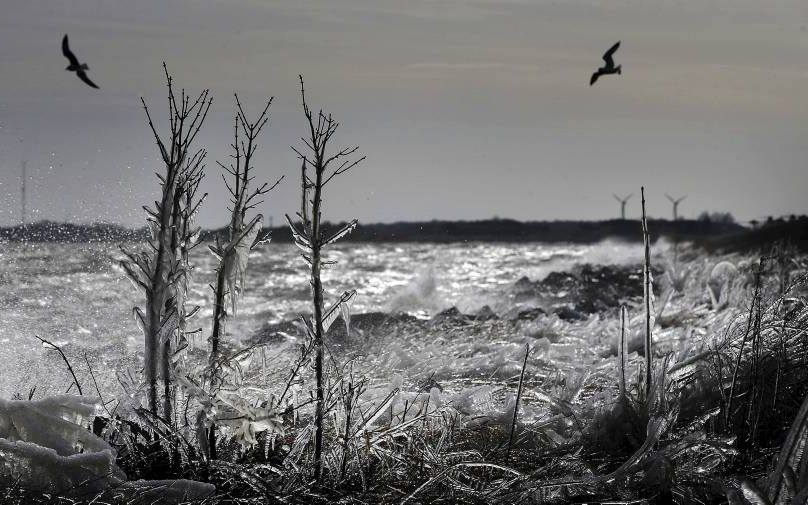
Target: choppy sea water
<point>76,296</point>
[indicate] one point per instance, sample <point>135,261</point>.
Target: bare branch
<point>344,152</point>
<point>344,168</point>
<point>69,368</point>
<point>163,152</point>
<point>229,189</point>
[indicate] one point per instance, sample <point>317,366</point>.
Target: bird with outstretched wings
<point>79,68</point>
<point>609,68</point>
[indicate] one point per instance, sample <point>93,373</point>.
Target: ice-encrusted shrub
<point>309,237</point>
<point>220,398</point>
<point>160,270</point>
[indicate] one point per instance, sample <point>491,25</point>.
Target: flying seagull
<point>609,68</point>
<point>75,66</point>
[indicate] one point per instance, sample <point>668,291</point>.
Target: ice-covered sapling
<point>242,234</point>
<point>184,238</point>
<point>160,270</point>
<point>233,255</point>
<point>319,167</point>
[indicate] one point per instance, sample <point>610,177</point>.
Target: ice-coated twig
<point>621,354</point>
<point>92,375</point>
<point>648,293</point>
<point>69,368</point>
<point>518,397</point>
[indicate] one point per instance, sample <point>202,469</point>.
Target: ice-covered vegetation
<point>614,372</point>
<point>421,408</point>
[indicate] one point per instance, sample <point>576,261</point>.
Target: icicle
<point>236,256</point>
<point>340,307</point>
<point>345,309</point>
<point>263,364</point>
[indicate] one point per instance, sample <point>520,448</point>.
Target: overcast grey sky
<point>466,109</point>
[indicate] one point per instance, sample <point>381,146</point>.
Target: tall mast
<point>23,199</point>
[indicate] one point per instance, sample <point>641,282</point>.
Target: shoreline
<point>708,234</point>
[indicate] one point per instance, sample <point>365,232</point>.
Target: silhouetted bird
<point>75,66</point>
<point>609,68</point>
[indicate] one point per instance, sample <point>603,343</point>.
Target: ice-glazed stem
<point>518,397</point>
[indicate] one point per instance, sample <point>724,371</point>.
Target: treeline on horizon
<point>710,233</point>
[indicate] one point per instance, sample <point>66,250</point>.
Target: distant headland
<point>710,233</point>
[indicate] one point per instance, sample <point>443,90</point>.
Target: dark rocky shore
<point>571,296</point>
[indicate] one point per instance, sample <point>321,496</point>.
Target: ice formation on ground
<point>46,446</point>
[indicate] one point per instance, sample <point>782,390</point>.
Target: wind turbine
<point>623,204</point>
<point>675,202</point>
